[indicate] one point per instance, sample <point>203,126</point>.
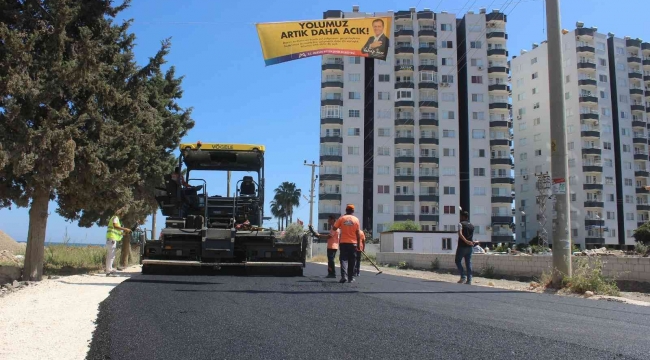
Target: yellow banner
<point>286,41</point>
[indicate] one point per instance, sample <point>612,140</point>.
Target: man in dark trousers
<point>348,243</point>
<point>332,247</point>
<point>464,249</point>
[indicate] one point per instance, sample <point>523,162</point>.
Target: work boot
<point>342,281</point>
<point>462,280</point>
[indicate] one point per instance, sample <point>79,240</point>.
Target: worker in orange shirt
<point>362,247</point>
<point>349,242</point>
<point>332,247</point>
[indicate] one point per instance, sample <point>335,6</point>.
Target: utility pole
<point>311,202</point>
<point>228,185</point>
<point>543,188</point>
<point>153,225</point>
<point>559,160</point>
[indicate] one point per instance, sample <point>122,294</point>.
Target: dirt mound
<point>8,258</point>
<point>9,244</point>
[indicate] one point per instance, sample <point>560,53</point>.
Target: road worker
<point>114,235</point>
<point>348,243</point>
<point>332,247</point>
<point>362,247</point>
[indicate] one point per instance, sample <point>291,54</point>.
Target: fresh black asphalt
<point>378,317</point>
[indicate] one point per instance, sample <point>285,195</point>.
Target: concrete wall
<point>321,249</point>
<point>637,269</point>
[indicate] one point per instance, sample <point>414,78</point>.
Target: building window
<point>447,61</point>
<point>533,61</point>
<point>447,79</point>
<point>354,60</point>
<point>449,190</point>
<point>383,95</point>
<point>383,189</point>
<point>384,77</point>
<point>477,79</point>
<point>445,27</point>
<point>448,133</point>
<point>478,115</point>
<point>383,132</point>
<point>354,113</point>
<point>479,171</point>
<point>407,243</point>
<point>352,170</point>
<point>404,95</point>
<point>447,44</point>
<point>475,44</point>
<point>478,134</point>
<point>354,132</point>
<point>354,95</point>
<point>534,76</point>
<point>448,97</point>
<point>446,243</point>
<point>476,62</point>
<point>602,78</point>
<point>353,150</point>
<point>448,152</point>
<point>448,115</point>
<point>479,153</point>
<point>449,210</point>
<point>383,151</point>
<point>352,189</point>
<point>354,77</point>
<point>477,97</point>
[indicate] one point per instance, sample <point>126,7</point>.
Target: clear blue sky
<point>237,99</point>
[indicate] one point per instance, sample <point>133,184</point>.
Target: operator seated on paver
<point>247,186</point>
<point>187,189</point>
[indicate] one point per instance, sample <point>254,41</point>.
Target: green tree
<point>408,225</point>
<point>81,123</point>
<point>278,212</point>
<point>288,195</point>
<point>642,234</point>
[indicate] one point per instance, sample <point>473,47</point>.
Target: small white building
<point>421,242</point>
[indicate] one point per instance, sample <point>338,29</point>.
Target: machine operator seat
<point>247,186</point>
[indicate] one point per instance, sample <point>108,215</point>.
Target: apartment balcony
<point>501,219</point>
<point>633,43</point>
<point>428,68</point>
<point>591,151</point>
<point>427,33</point>
<point>497,52</point>
<point>331,176</point>
<point>641,156</point>
<point>405,159</point>
<point>429,103</point>
<point>586,49</point>
<point>427,85</point>
<point>404,103</point>
<point>594,222</point>
<point>429,197</point>
<point>503,180</point>
<point>500,124</point>
<point>428,50</point>
<point>329,197</point>
<point>498,70</point>
<point>429,141</point>
<point>404,50</point>
<point>589,116</point>
<point>646,77</point>
<point>589,99</point>
<point>638,123</point>
<point>404,85</point>
<point>647,92</point>
<point>501,161</point>
<point>429,122</point>
<point>400,122</point>
<point>645,46</point>
<point>331,84</point>
<point>641,173</point>
<point>498,87</point>
<point>407,68</point>
<point>592,168</point>
<point>429,160</point>
<point>502,199</point>
<point>429,178</point>
<point>586,65</point>
<point>404,217</point>
<point>635,75</point>
<point>646,62</point>
<point>425,14</point>
<point>588,82</point>
<point>590,133</point>
<point>404,178</point>
<point>337,102</point>
<point>634,60</point>
<point>333,66</point>
<point>326,215</point>
<point>502,238</point>
<point>585,32</point>
<point>637,107</point>
<point>592,186</point>
<point>331,121</point>
<point>331,158</point>
<point>499,105</point>
<point>639,140</point>
<point>497,35</point>
<point>496,16</point>
<point>404,32</point>
<point>404,197</point>
<point>500,142</point>
<point>594,240</point>
<point>331,139</point>
<point>405,140</point>
<point>642,190</point>
<point>594,204</point>
<point>429,217</point>
<point>643,207</point>
<point>403,15</point>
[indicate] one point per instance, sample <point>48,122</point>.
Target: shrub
<point>408,225</point>
<point>435,264</point>
<point>538,249</point>
<point>502,248</point>
<point>402,265</point>
<point>589,277</point>
<point>294,233</point>
<point>488,272</point>
<point>641,248</point>
<point>521,247</point>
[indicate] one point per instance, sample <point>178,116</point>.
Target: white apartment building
<point>485,121</point>
<point>390,130</point>
<point>601,147</point>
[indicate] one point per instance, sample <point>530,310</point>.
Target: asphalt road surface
<point>378,317</point>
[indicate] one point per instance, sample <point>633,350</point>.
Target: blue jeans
<point>331,254</point>
<point>464,253</point>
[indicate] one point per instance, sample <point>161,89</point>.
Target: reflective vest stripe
<point>112,233</point>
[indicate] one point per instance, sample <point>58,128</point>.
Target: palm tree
<point>288,195</point>
<point>278,212</point>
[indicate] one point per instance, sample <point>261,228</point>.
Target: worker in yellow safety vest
<point>114,235</point>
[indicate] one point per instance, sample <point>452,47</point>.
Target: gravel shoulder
<point>634,298</point>
<point>54,318</point>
